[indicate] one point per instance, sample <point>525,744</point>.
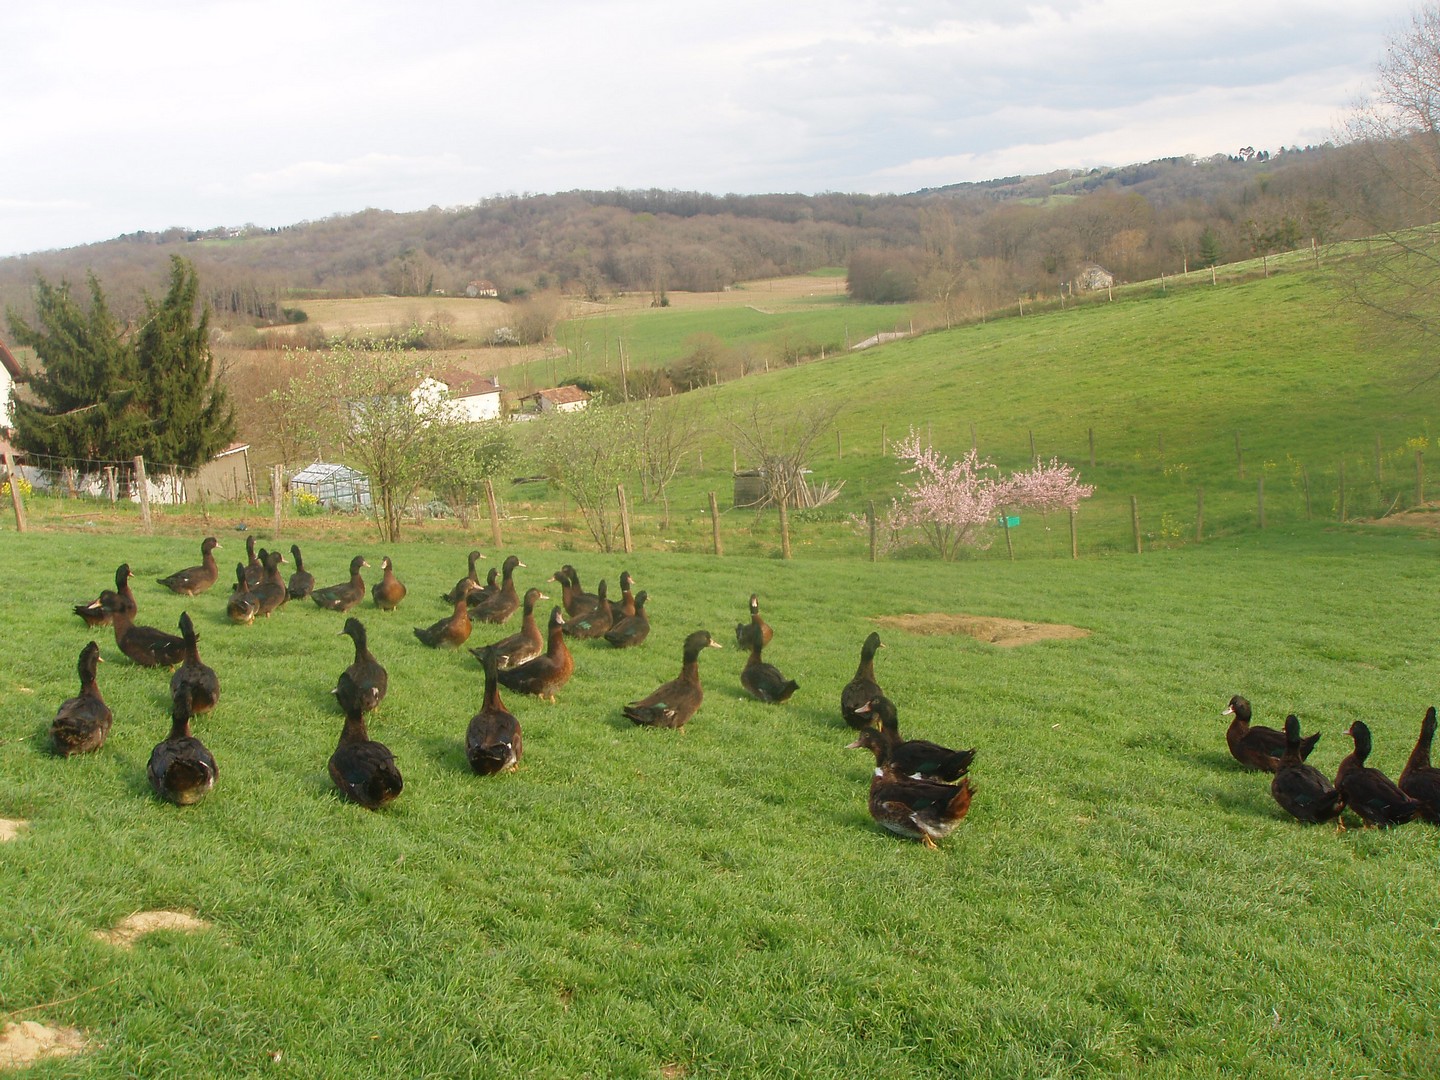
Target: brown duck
<point>673,703</point>
<point>493,741</point>
<point>389,590</point>
<point>346,594</point>
<point>194,580</point>
<point>450,632</point>
<point>82,722</point>
<point>525,644</point>
<point>548,672</point>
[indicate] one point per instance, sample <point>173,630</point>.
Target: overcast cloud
<point>144,115</point>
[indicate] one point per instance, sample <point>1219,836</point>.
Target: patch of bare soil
<point>1422,517</point>
<point>130,929</point>
<point>10,828</point>
<point>24,1043</point>
<point>1005,633</point>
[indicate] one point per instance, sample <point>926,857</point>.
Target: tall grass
<point>1122,899</point>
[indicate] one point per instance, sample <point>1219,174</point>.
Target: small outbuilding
<point>337,487</point>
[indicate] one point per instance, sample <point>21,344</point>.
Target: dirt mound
<point>1006,633</point>
<point>10,828</point>
<point>128,930</point>
<point>26,1042</point>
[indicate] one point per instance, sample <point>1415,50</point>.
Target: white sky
<point>121,115</point>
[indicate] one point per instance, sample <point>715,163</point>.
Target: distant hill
<point>1026,235</point>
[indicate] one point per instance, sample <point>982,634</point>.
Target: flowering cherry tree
<point>954,504</point>
<point>1048,487</point>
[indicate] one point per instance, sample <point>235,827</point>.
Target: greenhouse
<point>335,487</point>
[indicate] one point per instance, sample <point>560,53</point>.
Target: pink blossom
<point>954,504</point>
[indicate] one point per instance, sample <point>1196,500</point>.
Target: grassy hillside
<point>1123,900</point>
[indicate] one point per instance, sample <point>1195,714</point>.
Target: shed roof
<point>562,395</point>
<point>7,358</point>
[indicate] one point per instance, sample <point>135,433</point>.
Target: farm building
<point>225,477</point>
<point>470,397</point>
<point>337,487</point>
<point>1094,278</point>
<point>10,373</point>
<point>482,289</point>
<point>557,399</point>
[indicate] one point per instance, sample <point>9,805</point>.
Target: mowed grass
<point>1122,899</point>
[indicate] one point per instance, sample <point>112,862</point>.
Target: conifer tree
<point>190,417</point>
<point>105,394</point>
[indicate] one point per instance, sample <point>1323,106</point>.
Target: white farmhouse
<point>10,374</point>
<point>467,396</point>
<point>558,399</point>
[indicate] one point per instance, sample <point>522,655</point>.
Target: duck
<point>493,743</point>
<point>631,631</point>
<point>575,599</point>
<point>123,596</point>
<point>145,645</point>
<point>194,580</point>
<point>468,583</point>
<point>595,622</point>
<point>450,632</point>
<point>389,590</point>
<point>478,593</point>
<point>925,810</point>
<point>1303,791</point>
<point>254,568</point>
<point>1258,747</point>
<point>672,704</point>
<point>498,606</point>
<point>347,594</point>
<point>82,722</point>
<point>302,582</point>
<point>271,594</point>
<point>181,769</point>
<point>1368,792</point>
<point>363,769</point>
<point>862,688</point>
<point>94,614</point>
<point>1419,779</point>
<point>362,685</point>
<point>548,672</point>
<point>626,605</point>
<point>241,606</point>
<point>526,644</point>
<point>193,673</point>
<point>911,757</point>
<point>763,681</point>
<point>746,630</point>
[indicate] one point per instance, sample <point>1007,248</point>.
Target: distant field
<point>467,318</point>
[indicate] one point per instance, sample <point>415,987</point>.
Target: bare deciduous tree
<point>586,454</point>
<point>1399,129</point>
<point>777,442</point>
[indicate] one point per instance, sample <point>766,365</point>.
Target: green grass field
<point>1122,900</point>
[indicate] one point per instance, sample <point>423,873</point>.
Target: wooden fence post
<point>16,501</point>
<point>1419,477</point>
<point>1260,499</point>
<point>1379,460</point>
<point>884,441</point>
<point>1009,545</point>
<point>110,483</point>
<point>1342,491</point>
<point>1199,515</point>
<point>784,527</point>
<point>144,488</point>
<point>1034,457</point>
<point>1135,521</point>
<point>624,519</point>
<point>715,525</point>
<point>1074,535</point>
<point>1092,448</point>
<point>494,509</point>
<point>1305,479</point>
<point>870,523</point>
<point>1239,457</point>
<point>839,447</point>
<point>276,495</point>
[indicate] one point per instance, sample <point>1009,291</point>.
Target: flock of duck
<point>1309,795</point>
<point>919,789</point>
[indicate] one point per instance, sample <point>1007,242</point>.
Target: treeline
<point>968,246</point>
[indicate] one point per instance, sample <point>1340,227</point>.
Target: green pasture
<point>1122,900</point>
<point>756,330</point>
